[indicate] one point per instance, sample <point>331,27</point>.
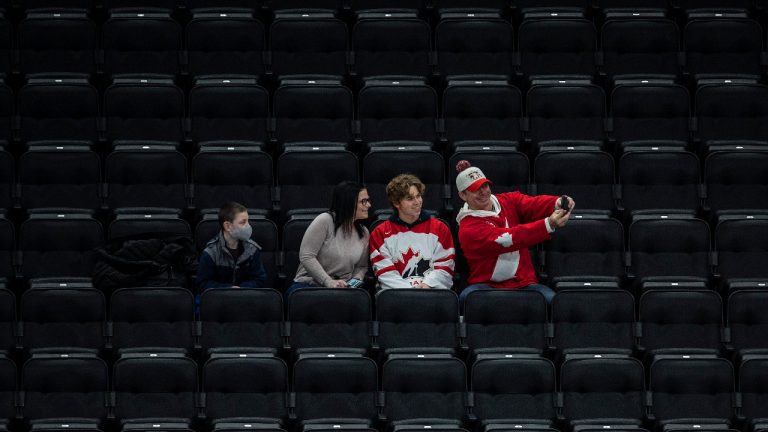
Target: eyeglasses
<point>365,201</point>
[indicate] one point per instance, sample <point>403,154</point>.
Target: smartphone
<point>564,203</point>
<point>354,283</point>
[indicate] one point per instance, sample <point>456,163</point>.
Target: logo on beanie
<point>475,175</point>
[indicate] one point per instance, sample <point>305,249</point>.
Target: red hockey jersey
<point>403,256</point>
<point>495,243</point>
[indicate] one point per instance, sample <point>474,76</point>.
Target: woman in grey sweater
<point>334,249</point>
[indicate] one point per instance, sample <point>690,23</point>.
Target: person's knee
<point>470,289</point>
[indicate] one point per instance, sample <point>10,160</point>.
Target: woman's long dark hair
<point>344,207</point>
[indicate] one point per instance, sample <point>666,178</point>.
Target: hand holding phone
<point>354,283</point>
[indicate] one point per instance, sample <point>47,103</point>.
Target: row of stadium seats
<point>645,112</point>
<point>309,43</point>
<point>385,4</point>
<point>662,250</point>
<point>73,314</point>
<point>433,391</point>
<point>645,179</point>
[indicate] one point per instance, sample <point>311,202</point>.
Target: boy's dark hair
<point>344,207</point>
<point>228,211</point>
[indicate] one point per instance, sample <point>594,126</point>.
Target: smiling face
<point>479,199</point>
<point>363,204</point>
<point>409,208</point>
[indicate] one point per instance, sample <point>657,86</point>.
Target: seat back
<point>241,318</point>
<point>245,386</point>
<point>329,317</point>
<point>152,317</point>
<point>424,386</point>
<point>416,318</point>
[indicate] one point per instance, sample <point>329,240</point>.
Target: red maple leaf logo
<point>406,256</point>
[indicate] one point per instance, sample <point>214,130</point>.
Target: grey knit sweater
<point>326,254</point>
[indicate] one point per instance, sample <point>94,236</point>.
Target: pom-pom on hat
<point>470,178</point>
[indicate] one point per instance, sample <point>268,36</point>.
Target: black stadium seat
<point>654,179</point>
<point>141,40</point>
<point>510,389</point>
<point>59,244</point>
<point>746,323</point>
<point>154,385</point>
<point>225,43</point>
<point>228,109</point>
<point>313,110</point>
<point>242,320</point>
<point>59,41</point>
<point>386,43</point>
<point>638,43</point>
<point>565,111</point>
<point>333,388</point>
<point>144,109</point>
<point>65,385</point>
<point>152,317</point>
<point>407,324</point>
<point>232,171</point>
<point>472,44</point>
<point>308,43</point>
<point>64,318</point>
<point>329,319</point>
<point>594,321</point>
<point>753,386</point>
<point>586,175</point>
<point>598,389</point>
<point>246,388</point>
<point>731,111</point>
<point>650,112</point>
<point>60,175</point>
<point>722,44</point>
<point>691,390</point>
<point>482,110</point>
<point>300,188</point>
<point>58,109</point>
<point>145,175</point>
<point>735,180</point>
<point>669,247</point>
<point>397,110</point>
<point>557,44</point>
<point>681,321</point>
<point>567,257</point>
<point>740,244</point>
<point>505,321</point>
<point>424,389</point>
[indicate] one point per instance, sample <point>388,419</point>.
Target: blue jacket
<point>218,269</point>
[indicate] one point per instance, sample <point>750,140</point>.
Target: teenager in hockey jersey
<point>411,249</point>
<point>495,232</point>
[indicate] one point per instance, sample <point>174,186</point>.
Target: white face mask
<point>243,233</point>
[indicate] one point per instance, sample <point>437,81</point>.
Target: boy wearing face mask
<point>231,259</point>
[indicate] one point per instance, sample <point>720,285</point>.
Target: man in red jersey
<point>495,232</point>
